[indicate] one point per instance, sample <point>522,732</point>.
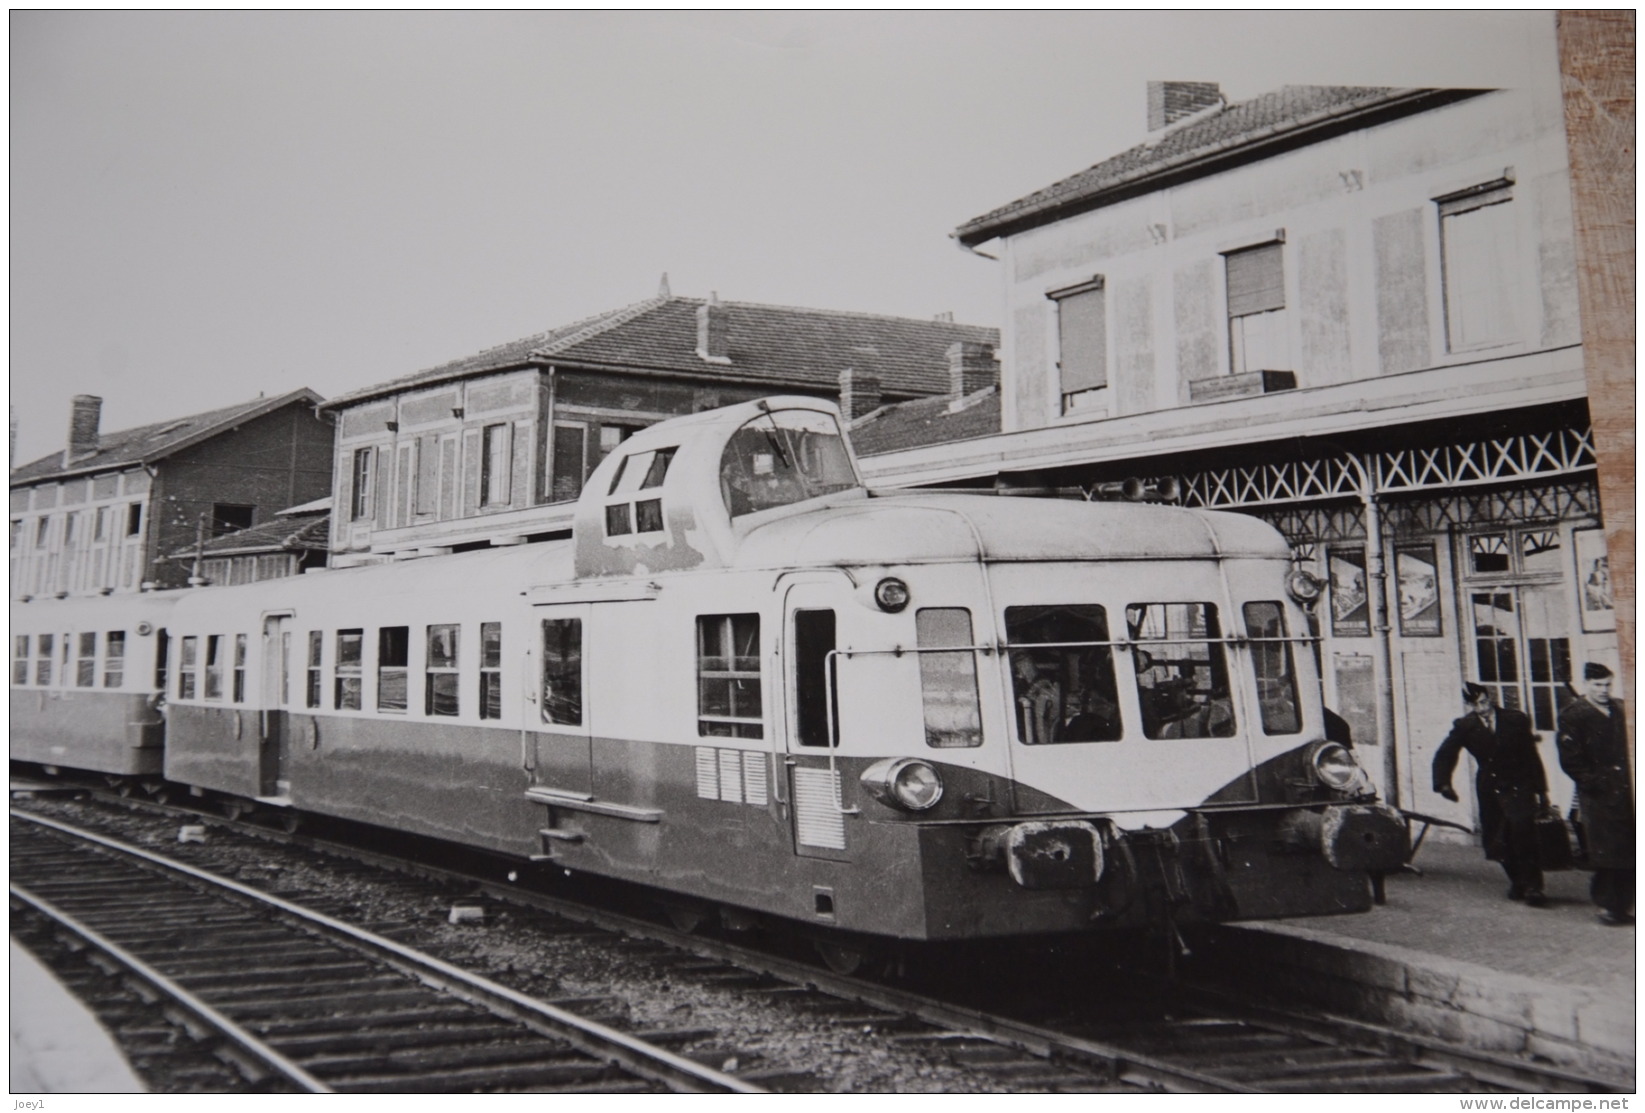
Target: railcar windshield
<point>783,457</point>
<point>1182,675</point>
<point>1063,684</point>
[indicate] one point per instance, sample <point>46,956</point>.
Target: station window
<point>728,676</point>
<point>1276,679</point>
<point>563,671</point>
<point>85,663</point>
<point>350,646</point>
<point>1082,342</point>
<point>491,670</point>
<point>1257,327</point>
<point>393,650</point>
<point>1182,675</point>
<point>440,695</point>
<point>134,519</point>
<point>214,666</point>
<point>1062,674</point>
<point>190,656</point>
<point>239,668</point>
<point>494,466</point>
<point>20,659</point>
<point>948,681</point>
<point>114,659</point>
<point>42,661</point>
<point>316,644</point>
<point>361,487</point>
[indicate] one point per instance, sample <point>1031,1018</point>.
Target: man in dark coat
<point>1511,785</point>
<point>1593,751</point>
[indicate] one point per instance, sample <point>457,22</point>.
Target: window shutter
<point>471,472</point>
<point>1082,330</point>
<point>1256,280</point>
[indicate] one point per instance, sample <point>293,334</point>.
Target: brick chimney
<point>972,366</point>
<point>859,392</point>
<point>713,331</point>
<point>1170,101</point>
<point>85,415</point>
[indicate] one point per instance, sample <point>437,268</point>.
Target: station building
<point>1351,312</point>
<point>105,514</point>
<point>493,449</point>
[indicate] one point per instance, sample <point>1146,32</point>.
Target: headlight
<point>1334,766</point>
<point>891,594</point>
<point>903,782</point>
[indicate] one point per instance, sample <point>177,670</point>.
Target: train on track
<point>766,691</point>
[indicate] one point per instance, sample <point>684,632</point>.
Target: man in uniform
<point>1593,751</point>
<point>1510,786</point>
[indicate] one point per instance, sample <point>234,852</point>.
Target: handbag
<point>1554,841</point>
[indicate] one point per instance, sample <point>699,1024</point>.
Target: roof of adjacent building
<point>925,421</point>
<point>288,532</point>
<point>147,444</point>
<point>1207,142</point>
<point>781,345</point>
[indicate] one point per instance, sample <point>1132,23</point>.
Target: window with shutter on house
<point>1257,329</point>
<point>1082,343</point>
<point>1477,262</point>
<point>494,466</point>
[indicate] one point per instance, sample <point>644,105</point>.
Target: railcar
<point>757,687</point>
<point>86,679</point>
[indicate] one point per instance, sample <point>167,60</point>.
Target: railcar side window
<point>350,644</point>
<point>563,671</point>
<point>162,661</point>
<point>783,457</point>
<point>85,664</point>
<point>114,659</point>
<point>239,695</point>
<point>440,683</point>
<point>814,697</point>
<point>316,643</point>
<point>728,676</point>
<point>1062,674</point>
<point>948,681</point>
<point>393,651</point>
<point>1276,679</point>
<point>214,666</point>
<point>491,670</point>
<point>186,679</point>
<point>20,659</point>
<point>42,660</point>
<point>1182,673</point>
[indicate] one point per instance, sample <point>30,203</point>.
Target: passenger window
<point>85,665</point>
<point>393,650</point>
<point>42,660</point>
<point>346,696</point>
<point>1276,680</point>
<point>728,677</point>
<point>114,659</point>
<point>948,681</point>
<point>1182,675</point>
<point>440,684</point>
<point>20,659</point>
<point>491,670</point>
<point>186,678</point>
<point>563,671</point>
<point>214,666</point>
<point>1062,674</point>
<point>316,642</point>
<point>813,695</point>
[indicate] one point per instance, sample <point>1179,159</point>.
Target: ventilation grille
<point>816,808</point>
<point>734,776</point>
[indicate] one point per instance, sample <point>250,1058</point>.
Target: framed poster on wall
<point>1418,575</point>
<point>1593,581</point>
<point>1350,605</point>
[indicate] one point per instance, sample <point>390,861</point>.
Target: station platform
<point>57,1046</point>
<point>1450,956</point>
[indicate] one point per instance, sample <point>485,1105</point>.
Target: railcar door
<point>559,733</point>
<point>811,720</point>
<point>276,745</point>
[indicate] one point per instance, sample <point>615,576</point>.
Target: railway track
<point>1204,1044</point>
<point>315,1004</point>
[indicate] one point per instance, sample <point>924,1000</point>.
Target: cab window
<point>783,457</point>
<point>1182,674</point>
<point>1062,674</point>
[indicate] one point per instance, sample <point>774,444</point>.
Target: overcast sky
<point>209,205</point>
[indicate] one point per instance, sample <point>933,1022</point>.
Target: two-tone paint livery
<point>752,684</point>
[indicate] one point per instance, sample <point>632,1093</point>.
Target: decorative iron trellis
<point>1558,452</point>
